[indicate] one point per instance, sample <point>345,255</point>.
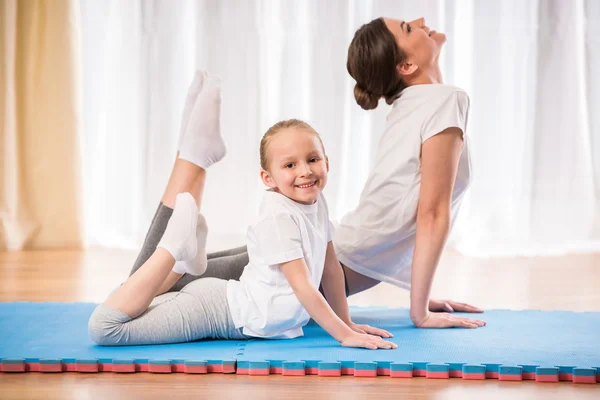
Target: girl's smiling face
<point>297,164</point>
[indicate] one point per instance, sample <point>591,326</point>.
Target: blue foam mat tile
<point>438,368</point>
<point>294,368</point>
<point>195,363</point>
<point>259,368</point>
<point>510,370</point>
<point>13,361</point>
<point>401,367</point>
<point>294,365</point>
<point>39,330</point>
<point>419,366</point>
<point>46,361</point>
<point>330,365</point>
<point>276,363</point>
<point>311,363</point>
<point>348,364</point>
<point>510,337</point>
<point>455,367</point>
<point>330,368</point>
<point>123,361</point>
<point>529,368</point>
<point>160,362</point>
<point>259,365</point>
<point>584,371</point>
<point>383,367</point>
<point>546,371</point>
<point>88,361</point>
<point>365,366</point>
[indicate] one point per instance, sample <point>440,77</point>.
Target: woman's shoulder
<point>450,90</point>
<point>452,97</point>
<point>432,91</point>
<point>439,97</point>
<point>444,92</point>
<point>422,102</point>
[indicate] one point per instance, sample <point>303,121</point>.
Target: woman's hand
<point>451,306</point>
<point>370,330</point>
<point>445,320</point>
<point>367,341</point>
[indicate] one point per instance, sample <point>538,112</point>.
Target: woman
<point>398,230</point>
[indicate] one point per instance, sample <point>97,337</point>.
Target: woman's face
<point>421,45</point>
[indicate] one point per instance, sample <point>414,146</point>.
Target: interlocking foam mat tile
<point>546,346</point>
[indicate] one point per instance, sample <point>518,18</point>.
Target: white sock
<point>190,99</point>
<point>202,142</point>
<point>179,238</point>
<point>197,265</point>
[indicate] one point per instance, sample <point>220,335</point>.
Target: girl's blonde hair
<point>278,127</point>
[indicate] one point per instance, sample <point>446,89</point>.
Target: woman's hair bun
<point>365,99</point>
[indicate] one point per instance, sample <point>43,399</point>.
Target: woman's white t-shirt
<point>377,238</point>
<point>262,301</point>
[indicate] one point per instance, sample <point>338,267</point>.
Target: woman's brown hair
<point>372,59</point>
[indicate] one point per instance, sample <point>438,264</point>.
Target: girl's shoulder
<point>274,204</point>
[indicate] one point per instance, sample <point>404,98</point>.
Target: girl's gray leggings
<point>197,311</point>
<point>194,308</point>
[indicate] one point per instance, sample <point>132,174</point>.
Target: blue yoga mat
<point>59,330</point>
<point>549,338</point>
<point>568,340</point>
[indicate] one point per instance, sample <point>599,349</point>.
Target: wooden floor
<point>562,283</point>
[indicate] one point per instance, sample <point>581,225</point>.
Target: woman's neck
<point>428,76</point>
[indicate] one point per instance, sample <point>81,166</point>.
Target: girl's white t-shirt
<point>262,301</point>
<point>377,238</point>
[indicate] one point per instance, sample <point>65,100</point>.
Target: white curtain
<point>526,65</point>
<point>533,126</point>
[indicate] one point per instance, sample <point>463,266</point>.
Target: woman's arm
<point>297,274</point>
<point>335,293</point>
<point>334,286</point>
<point>439,163</point>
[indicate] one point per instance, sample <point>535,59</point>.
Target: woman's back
<point>377,238</point>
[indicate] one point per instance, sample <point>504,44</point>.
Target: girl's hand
<point>370,330</point>
<point>451,306</point>
<point>367,341</point>
<point>445,320</point>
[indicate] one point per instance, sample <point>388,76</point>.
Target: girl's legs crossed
<point>198,311</point>
<point>228,252</point>
<point>185,177</point>
<point>200,145</point>
<point>224,264</point>
<point>225,267</point>
<point>153,236</point>
<point>179,242</point>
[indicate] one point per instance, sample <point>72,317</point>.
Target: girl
<point>289,248</point>
<point>398,230</point>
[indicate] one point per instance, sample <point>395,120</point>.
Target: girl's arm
<point>439,163</point>
<point>335,293</point>
<point>297,274</point>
